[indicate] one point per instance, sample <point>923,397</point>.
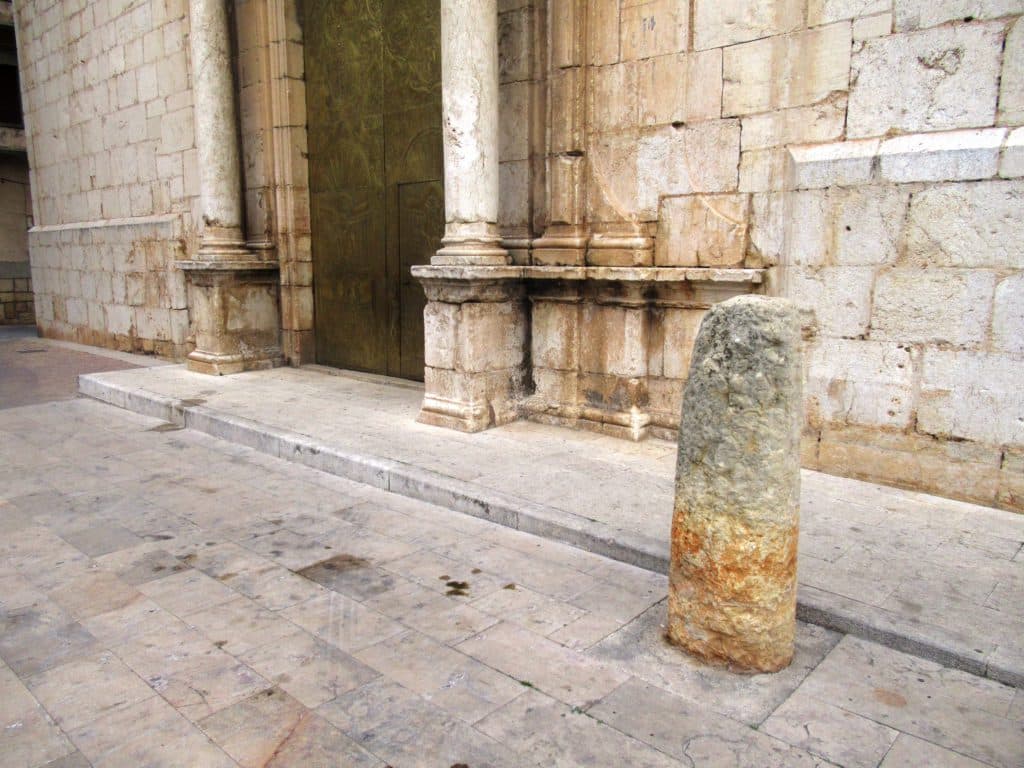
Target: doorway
<point>373,94</point>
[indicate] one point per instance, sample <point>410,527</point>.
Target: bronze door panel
<point>373,90</point>
<point>420,205</point>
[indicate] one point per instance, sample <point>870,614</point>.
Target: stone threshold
<point>815,606</point>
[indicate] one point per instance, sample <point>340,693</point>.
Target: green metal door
<point>373,95</point>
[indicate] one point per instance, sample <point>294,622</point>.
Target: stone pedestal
<point>233,294</point>
<point>732,579</point>
<point>234,310</point>
<point>475,333</point>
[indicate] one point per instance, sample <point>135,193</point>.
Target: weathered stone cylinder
<point>732,578</point>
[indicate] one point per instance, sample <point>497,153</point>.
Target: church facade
<point>530,205</point>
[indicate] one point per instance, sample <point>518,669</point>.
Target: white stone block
<point>786,71</point>
<point>826,11</point>
<point>872,26</point>
<point>1011,163</point>
<point>857,226</point>
<point>703,230</point>
<point>119,319</point>
<point>933,306</point>
<point>694,158</point>
<point>724,22</point>
<point>767,228</point>
<point>840,298</point>
<point>918,14</point>
<point>763,170</point>
<point>1011,83</point>
<point>967,225</point>
<point>933,80</point>
<point>860,382</point>
<point>680,87</point>
<point>844,163</point>
<point>653,27</point>
<point>951,156</point>
<point>820,122</point>
<point>972,396</point>
<point>1008,316</point>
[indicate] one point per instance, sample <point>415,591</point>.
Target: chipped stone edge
<point>814,606</point>
<point>959,155</point>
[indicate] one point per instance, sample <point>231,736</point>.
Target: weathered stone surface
<point>819,122</point>
<point>932,80</point>
<point>933,306</point>
<point>914,14</point>
<point>724,22</point>
<point>1008,316</point>
<point>872,26</point>
<point>681,87</point>
<point>732,579</point>
<point>952,156</point>
<point>967,225</point>
<point>703,230</point>
<point>972,396</point>
<point>786,71</point>
<point>847,227</point>
<point>840,164</point>
<point>653,27</point>
<point>1011,164</point>
<point>827,11</point>
<point>1011,84</point>
<point>859,382</point>
<point>680,160</point>
<point>839,296</point>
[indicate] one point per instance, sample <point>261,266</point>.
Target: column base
<point>475,323</point>
<point>234,314</point>
<point>225,365</point>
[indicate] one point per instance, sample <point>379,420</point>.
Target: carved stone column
<point>469,80</point>
<point>475,319</point>
<point>233,292</point>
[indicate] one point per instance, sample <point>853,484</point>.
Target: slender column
<point>233,293</point>
<point>216,125</point>
<point>469,79</point>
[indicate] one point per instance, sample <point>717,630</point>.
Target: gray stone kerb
<point>813,605</point>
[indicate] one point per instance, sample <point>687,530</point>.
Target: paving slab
<point>927,575</point>
<point>424,637</point>
<point>35,370</point>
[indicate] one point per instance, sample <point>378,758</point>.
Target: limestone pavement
<point>262,613</point>
<point>931,576</point>
<point>170,599</point>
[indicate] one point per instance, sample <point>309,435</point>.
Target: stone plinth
<point>732,578</point>
<point>475,326</point>
<point>234,312</point>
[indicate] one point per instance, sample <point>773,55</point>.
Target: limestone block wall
<point>15,219</point>
<point>867,154</point>
<point>108,116</point>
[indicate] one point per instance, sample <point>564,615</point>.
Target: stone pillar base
<point>475,339</point>
<point>233,309</point>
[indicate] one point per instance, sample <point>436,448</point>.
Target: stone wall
<point>108,113</point>
<point>861,157</point>
<point>15,218</point>
<point>868,155</point>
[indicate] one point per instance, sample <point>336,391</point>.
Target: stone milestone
<point>732,578</point>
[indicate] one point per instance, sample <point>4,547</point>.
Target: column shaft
<point>469,77</point>
<point>216,126</point>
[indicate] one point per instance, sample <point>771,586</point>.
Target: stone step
<point>816,606</point>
